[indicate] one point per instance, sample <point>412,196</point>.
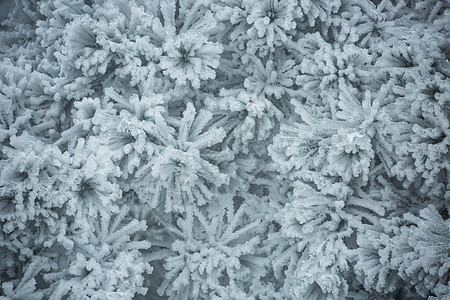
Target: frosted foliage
<point>186,169</point>
<point>322,149</point>
<point>224,149</point>
<point>274,78</point>
<point>126,126</point>
<point>350,156</point>
<point>92,179</point>
<point>422,137</point>
<point>103,263</point>
<point>245,116</point>
<point>190,57</point>
<point>416,252</point>
<point>323,71</point>
<point>315,10</point>
<point>322,280</point>
<point>313,213</point>
<point>26,286</point>
<point>270,20</point>
<point>213,258</point>
<point>429,268</point>
<point>308,221</point>
<point>29,174</point>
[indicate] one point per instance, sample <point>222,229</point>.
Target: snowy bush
<point>224,149</point>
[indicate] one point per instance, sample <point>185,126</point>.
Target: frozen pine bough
<point>224,149</point>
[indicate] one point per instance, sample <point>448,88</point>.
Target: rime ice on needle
<point>225,149</point>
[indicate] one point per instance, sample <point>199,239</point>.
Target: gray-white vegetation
<point>225,149</point>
